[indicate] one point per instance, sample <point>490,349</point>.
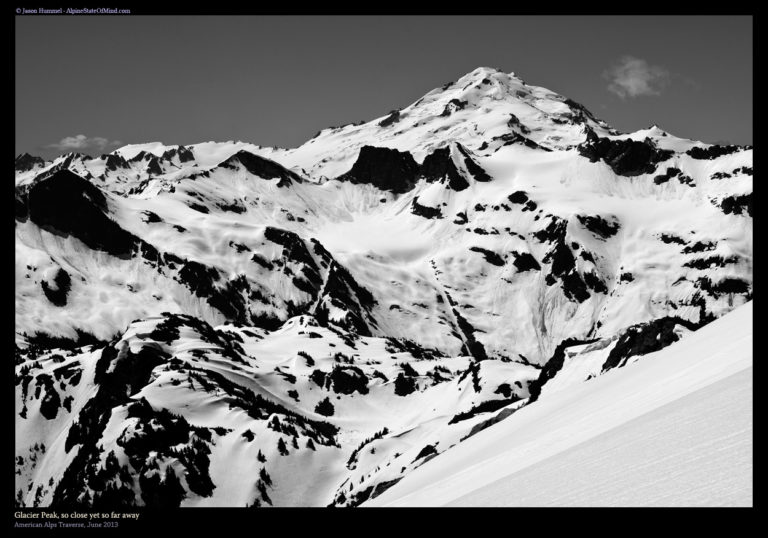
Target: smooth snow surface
<point>393,238</point>
<point>674,429</point>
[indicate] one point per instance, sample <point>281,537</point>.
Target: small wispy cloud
<point>633,77</point>
<point>81,142</point>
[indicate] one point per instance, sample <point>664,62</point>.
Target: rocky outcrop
<point>737,204</point>
<point>261,167</point>
<point>439,165</point>
<point>599,226</point>
<point>65,204</point>
<point>183,153</point>
<point>114,161</point>
<point>625,157</point>
<point>26,162</point>
<point>425,211</point>
<point>713,152</point>
<point>477,171</point>
<point>387,169</point>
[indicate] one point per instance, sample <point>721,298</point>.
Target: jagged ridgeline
<point>195,323</point>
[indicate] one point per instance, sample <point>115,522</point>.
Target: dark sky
<point>278,80</point>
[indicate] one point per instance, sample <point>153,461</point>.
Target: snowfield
<point>674,429</point>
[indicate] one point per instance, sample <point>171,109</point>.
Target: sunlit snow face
<point>387,237</point>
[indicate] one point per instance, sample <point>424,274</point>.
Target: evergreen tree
<point>263,491</point>
<point>404,385</point>
<point>275,424</point>
<point>325,408</point>
<point>264,475</point>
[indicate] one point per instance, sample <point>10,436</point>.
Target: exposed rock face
<point>524,261</point>
<point>490,256</point>
<point>475,169</point>
<point>599,226</point>
<point>57,293</point>
<point>554,365</point>
<point>391,119</point>
<point>66,204</point>
<point>114,162</point>
<point>737,205</point>
<point>625,157</point>
<point>579,113</point>
<point>397,172</point>
<point>183,153</point>
<point>425,211</point>
<point>26,162</point>
<point>385,168</point>
<point>564,269</point>
<point>140,156</point>
<point>563,263</point>
<point>509,139</point>
<point>439,165</point>
<point>153,166</point>
<point>453,105</point>
<point>261,167</point>
<point>645,338</point>
<point>713,152</point>
<point>521,198</point>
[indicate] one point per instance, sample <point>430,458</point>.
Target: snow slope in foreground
<point>673,429</point>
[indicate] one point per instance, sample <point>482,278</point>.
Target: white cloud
<point>633,77</point>
<point>81,142</point>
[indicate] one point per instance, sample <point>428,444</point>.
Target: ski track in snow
<point>695,451</point>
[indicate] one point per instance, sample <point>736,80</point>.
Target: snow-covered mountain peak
<point>488,76</point>
<point>356,305</point>
<point>130,151</point>
<point>484,110</point>
<point>483,88</point>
